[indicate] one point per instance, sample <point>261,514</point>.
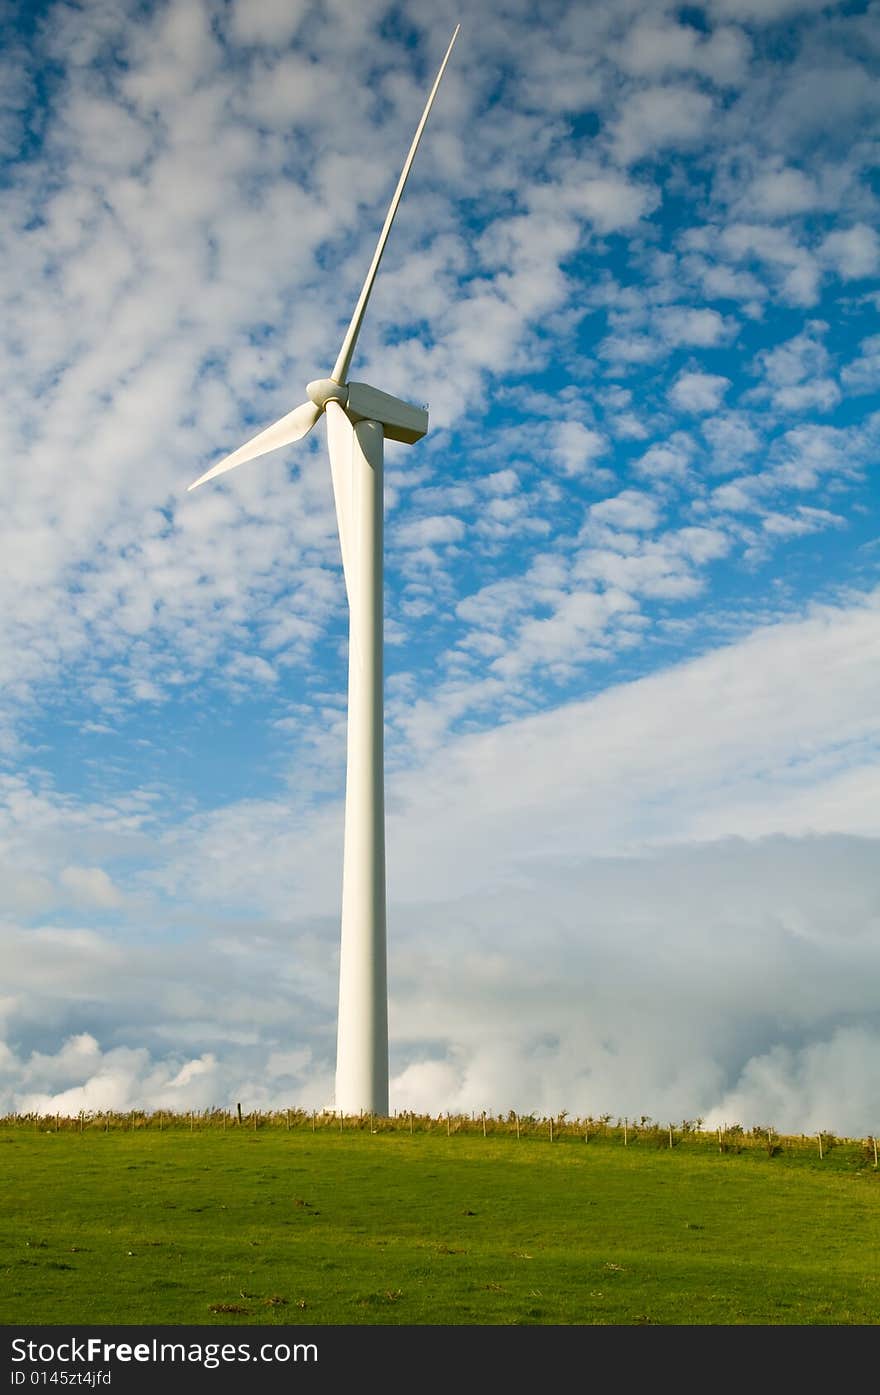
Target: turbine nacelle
<point>401,421</point>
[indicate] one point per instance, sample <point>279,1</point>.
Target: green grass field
<point>275,1226</point>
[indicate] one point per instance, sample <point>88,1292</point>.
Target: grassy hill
<point>176,1221</point>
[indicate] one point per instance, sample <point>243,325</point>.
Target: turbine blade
<point>284,432</point>
<point>343,362</point>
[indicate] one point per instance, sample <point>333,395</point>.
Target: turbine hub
<point>324,390</point>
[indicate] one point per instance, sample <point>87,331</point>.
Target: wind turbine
<point>359,418</point>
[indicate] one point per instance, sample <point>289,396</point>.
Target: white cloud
<point>802,521</point>
<point>429,532</point>
<point>698,392</point>
<point>796,269</point>
<point>741,495</point>
<point>630,349</point>
<point>609,201</point>
<point>250,668</point>
<point>658,118</point>
<point>89,886</point>
<point>631,509</point>
<point>803,356</point>
<point>803,458</point>
<point>288,90</point>
<point>655,47</point>
<point>580,619</point>
<point>122,1079</point>
<point>271,22</point>
<point>796,372</point>
<point>824,1085</point>
<point>736,718</point>
<point>719,281</point>
<point>684,325</point>
<point>561,78</point>
<point>663,567</point>
<point>807,454</point>
<point>822,394</point>
<point>780,192</point>
<point>862,374</point>
<point>669,461</point>
<point>502,482</point>
<point>576,447</point>
<point>852,252</point>
<point>732,439</point>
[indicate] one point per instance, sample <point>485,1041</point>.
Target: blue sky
<point>632,603</point>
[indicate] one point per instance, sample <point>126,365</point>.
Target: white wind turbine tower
<point>359,418</point>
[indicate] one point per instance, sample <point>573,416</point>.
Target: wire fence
<point>642,1132</point>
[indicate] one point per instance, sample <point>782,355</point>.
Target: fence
<point>556,1129</point>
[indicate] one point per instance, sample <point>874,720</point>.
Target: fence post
<point>516,1116</point>
<point>551,1130</point>
<point>874,1141</point>
<point>819,1136</point>
<point>626,1133</point>
<point>670,1135</point>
